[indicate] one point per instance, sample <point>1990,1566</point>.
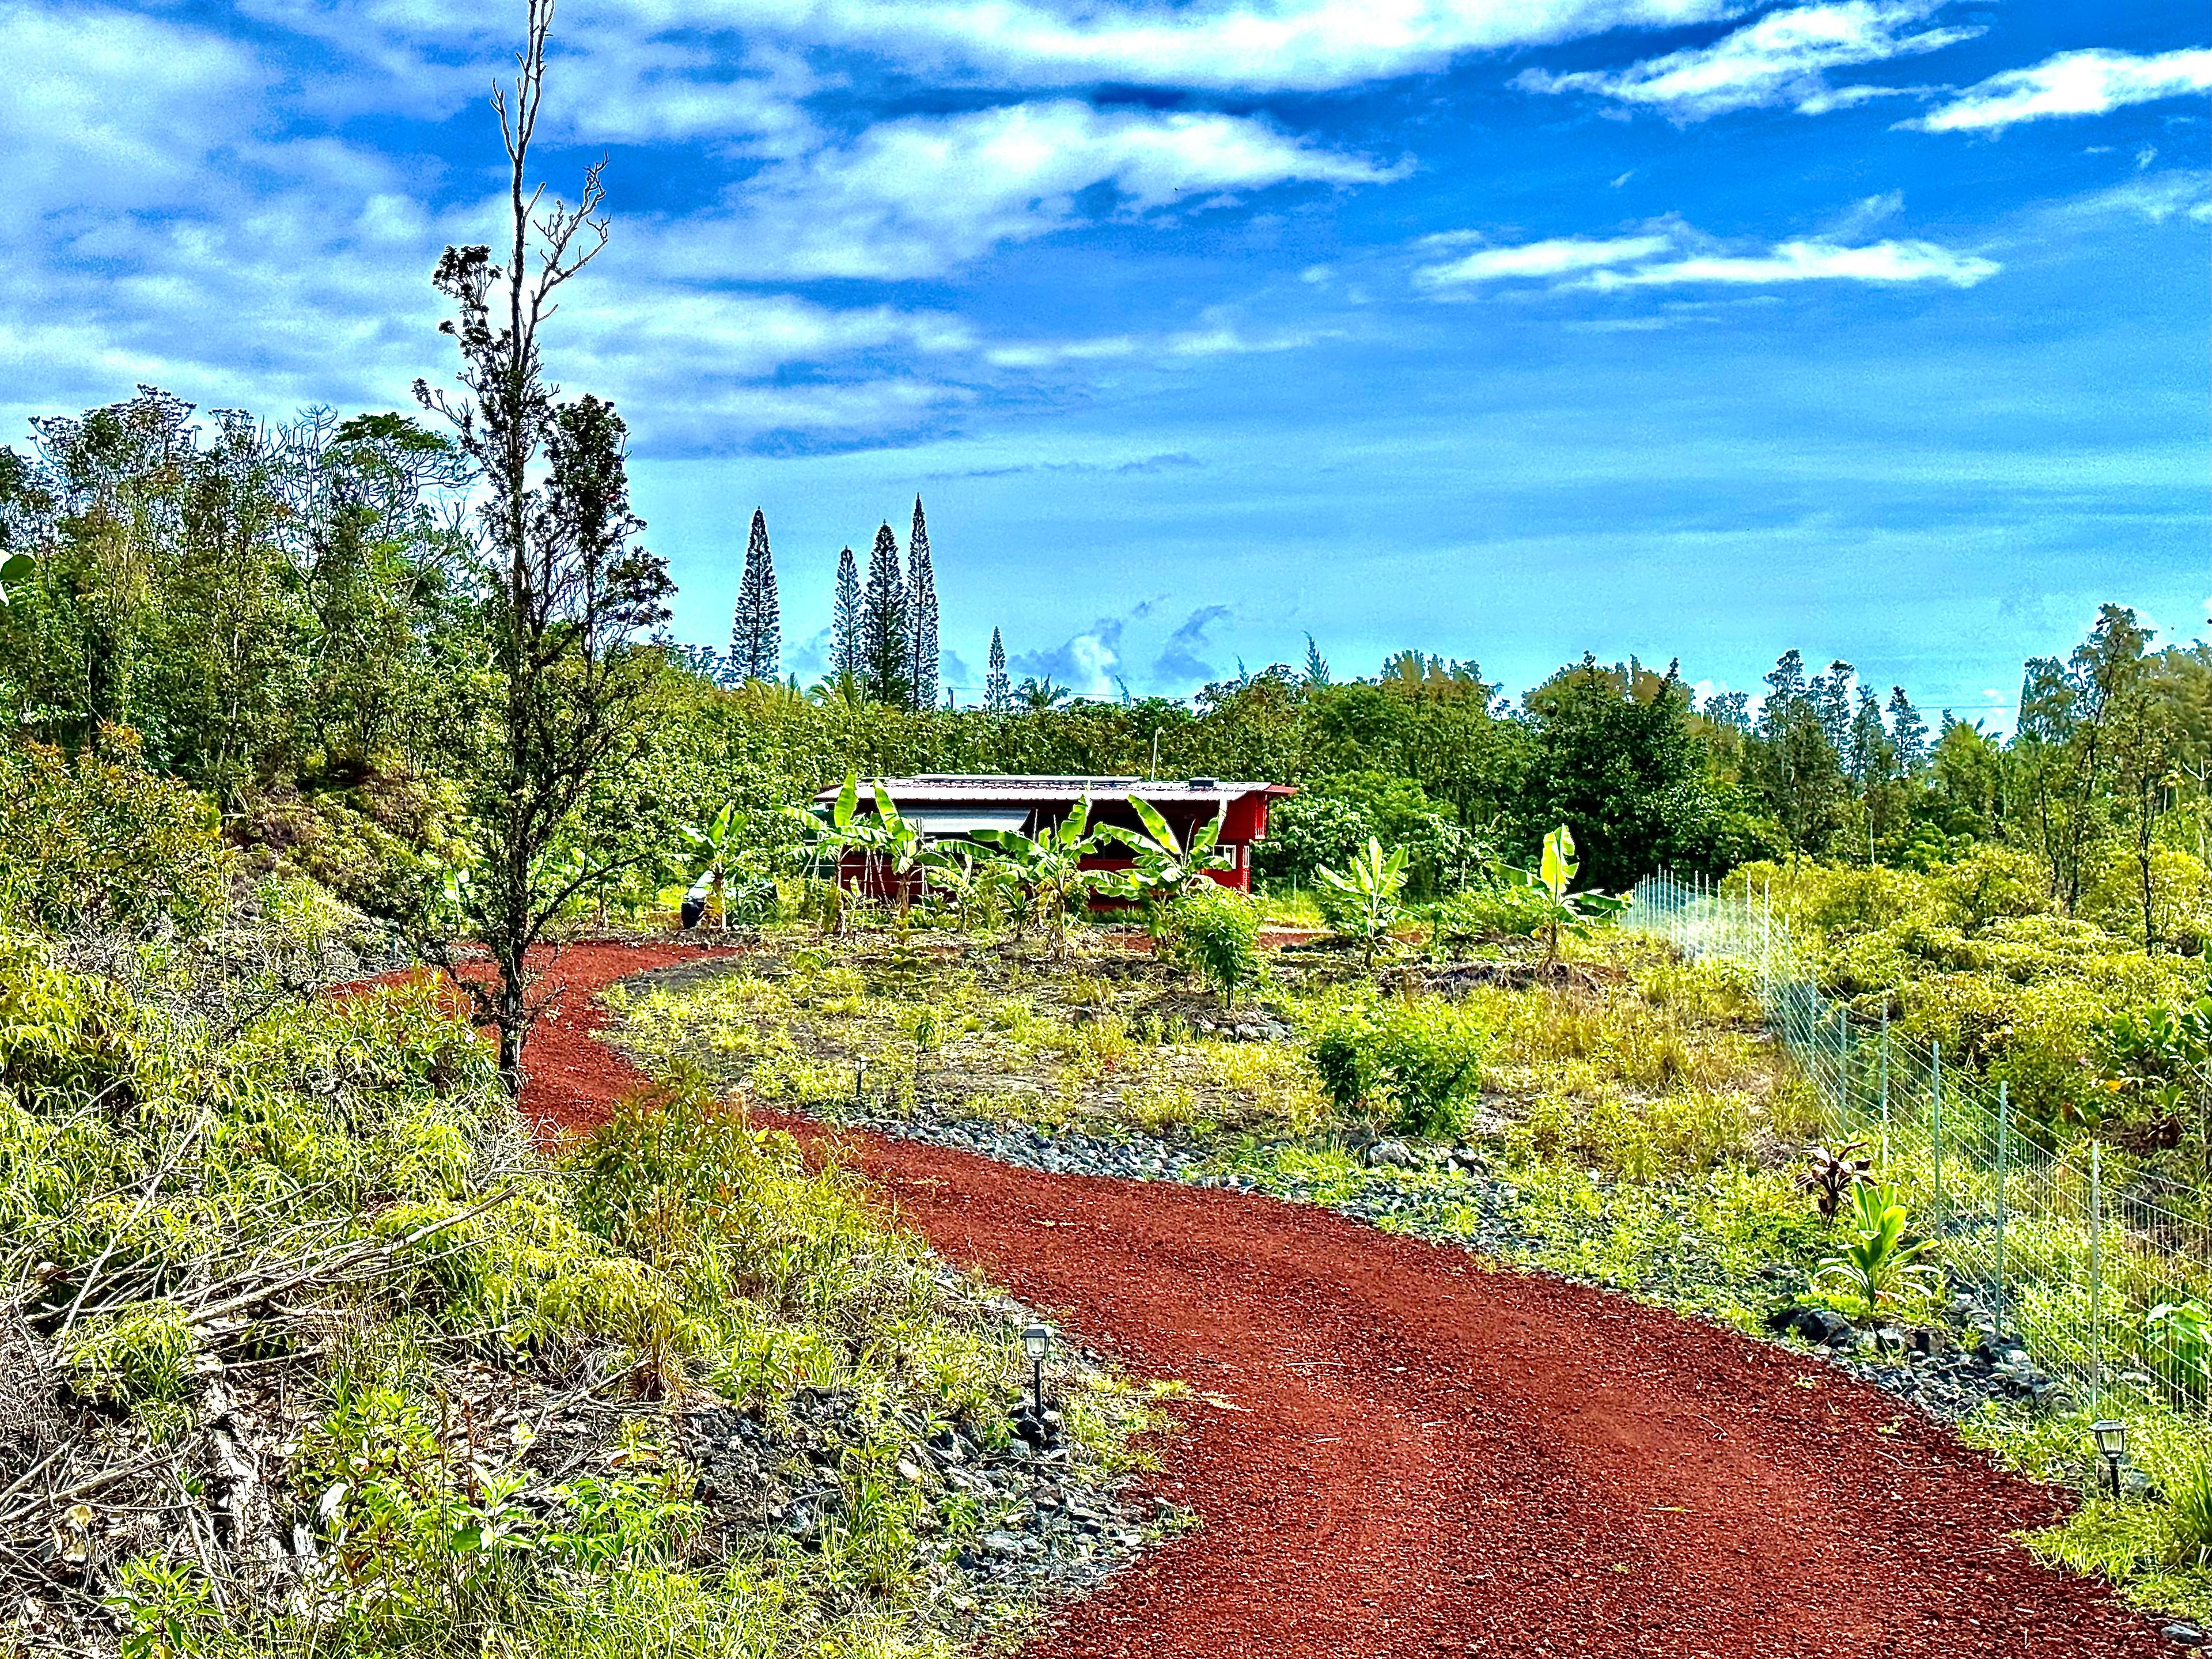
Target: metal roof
<point>975,789</point>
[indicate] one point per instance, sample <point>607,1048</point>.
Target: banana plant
<point>1165,864</point>
<point>956,872</point>
<point>1877,1265</point>
<point>713,853</point>
<point>883,839</point>
<point>1048,868</point>
<point>1560,908</point>
<point>1371,887</point>
<point>15,569</point>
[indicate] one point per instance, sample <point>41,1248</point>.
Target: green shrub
<point>1514,909</point>
<point>141,1354</point>
<point>1422,1057</point>
<point>101,841</point>
<point>1215,932</point>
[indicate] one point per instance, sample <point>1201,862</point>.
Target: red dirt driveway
<point>1396,1452</point>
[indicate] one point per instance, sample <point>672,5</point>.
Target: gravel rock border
<point>1949,1380</point>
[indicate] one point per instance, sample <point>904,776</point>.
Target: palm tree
<point>1040,697</point>
<point>842,687</point>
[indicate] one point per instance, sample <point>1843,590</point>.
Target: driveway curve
<point>1398,1452</point>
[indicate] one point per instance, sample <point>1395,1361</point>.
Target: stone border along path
<point>1395,1451</point>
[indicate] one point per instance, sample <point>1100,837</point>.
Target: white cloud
<point>1673,255</point>
<point>2090,83</point>
<point>1047,355</point>
<point>1783,58</point>
<point>105,109</point>
<point>1553,256</point>
<point>1863,214</point>
<point>1275,45</point>
<point>433,54</point>
<point>1217,340</point>
<point>2156,197</point>
<point>920,195</point>
<point>1812,262</point>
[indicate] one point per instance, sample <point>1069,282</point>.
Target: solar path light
<point>1036,1343</point>
<point>2112,1445</point>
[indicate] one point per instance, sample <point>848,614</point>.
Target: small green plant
<point>1511,908</point>
<point>1365,906</point>
<point>1216,933</point>
<point>1422,1057</point>
<point>1878,1265</point>
<point>167,1608</point>
<point>2188,1513</point>
<point>2180,1334</point>
<point>142,1354</point>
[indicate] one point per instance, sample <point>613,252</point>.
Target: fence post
<point>1935,1132</point>
<point>1766,945</point>
<point>1844,1060</point>
<point>1885,1092</point>
<point>2004,1180</point>
<point>2097,1276</point>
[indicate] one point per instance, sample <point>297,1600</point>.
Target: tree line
<point>310,606</point>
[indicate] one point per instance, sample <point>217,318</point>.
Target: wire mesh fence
<point>2101,1271</point>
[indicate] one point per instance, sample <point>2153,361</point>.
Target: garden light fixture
<point>1036,1343</point>
<point>2112,1445</point>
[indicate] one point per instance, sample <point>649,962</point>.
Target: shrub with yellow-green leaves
<point>99,840</point>
<point>1976,955</point>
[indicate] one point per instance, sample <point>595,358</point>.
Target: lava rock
<point>1827,1328</point>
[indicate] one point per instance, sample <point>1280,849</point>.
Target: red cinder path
<point>1397,1453</point>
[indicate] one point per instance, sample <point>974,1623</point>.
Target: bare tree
<point>566,588</point>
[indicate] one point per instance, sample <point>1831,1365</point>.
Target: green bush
<point>1513,909</point>
<point>139,1355</point>
<point>1215,932</point>
<point>1422,1057</point>
<point>1973,955</point>
<point>382,844</point>
<point>101,841</point>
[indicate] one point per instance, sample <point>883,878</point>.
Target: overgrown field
<point>309,1348</point>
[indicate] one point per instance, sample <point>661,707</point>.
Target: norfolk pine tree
<point>921,608</point>
<point>845,620</point>
<point>998,690</point>
<point>886,645</point>
<point>757,631</point>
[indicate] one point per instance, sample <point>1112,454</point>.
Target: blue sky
<point>1877,328</point>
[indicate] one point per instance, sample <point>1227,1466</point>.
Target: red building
<point>944,806</point>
